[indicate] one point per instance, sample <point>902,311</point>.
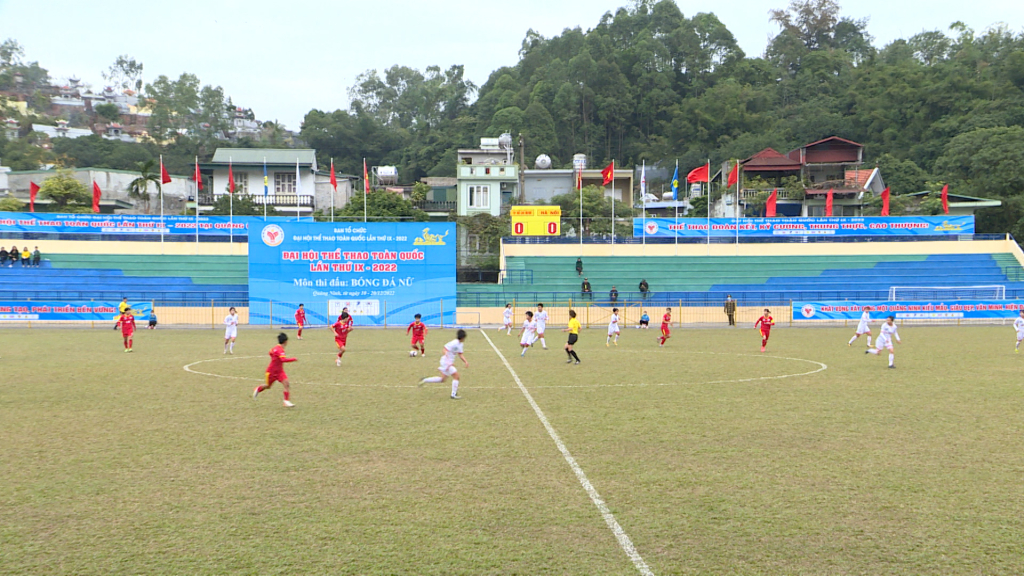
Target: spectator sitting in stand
<point>36,257</point>
<point>26,257</point>
<point>613,295</point>
<point>3,256</point>
<point>15,255</point>
<point>579,267</point>
<point>644,288</point>
<point>586,290</point>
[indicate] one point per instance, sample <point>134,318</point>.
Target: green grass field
<point>710,460</point>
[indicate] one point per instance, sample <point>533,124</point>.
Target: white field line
<point>609,518</point>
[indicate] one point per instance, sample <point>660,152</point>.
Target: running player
<point>419,332</point>
<point>1018,325</point>
<point>275,371</point>
<point>506,317</point>
<point>765,323</point>
<point>666,332</point>
<point>574,335</point>
<point>341,329</point>
<point>863,327</point>
<point>613,328</point>
<point>127,323</point>
<point>528,334</point>
<point>447,367</point>
<point>300,319</point>
<point>884,340</point>
<point>230,330</point>
<point>542,322</point>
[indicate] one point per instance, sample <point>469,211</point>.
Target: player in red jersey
<point>341,329</point>
<point>765,323</point>
<point>666,333</point>
<point>127,323</point>
<point>300,319</point>
<point>275,371</point>
<point>419,332</point>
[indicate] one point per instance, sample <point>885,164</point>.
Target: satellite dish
<point>543,162</point>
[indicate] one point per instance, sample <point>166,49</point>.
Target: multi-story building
<point>487,178</point>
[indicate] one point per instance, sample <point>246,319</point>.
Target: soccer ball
<point>412,353</point>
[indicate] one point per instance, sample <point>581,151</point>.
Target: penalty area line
<point>624,541</point>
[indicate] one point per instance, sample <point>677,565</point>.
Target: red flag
<point>96,193</point>
<point>734,175</point>
<point>769,207</point>
<point>199,177</point>
<point>33,189</point>
<point>165,178</point>
<point>334,180</point>
<point>699,174</point>
<point>828,203</point>
<point>231,179</point>
<point>366,179</point>
<point>579,178</point>
<point>885,202</point>
<point>608,174</point>
<point>945,199</point>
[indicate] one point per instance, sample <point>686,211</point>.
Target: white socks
<point>873,351</point>
<point>854,339</point>
<point>455,387</point>
<point>433,380</point>
<point>869,341</point>
<point>524,351</point>
<point>231,347</point>
<point>543,344</point>
<point>892,358</point>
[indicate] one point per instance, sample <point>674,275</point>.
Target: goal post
<point>920,293</point>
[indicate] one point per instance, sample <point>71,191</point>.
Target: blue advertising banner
<point>384,273</point>
<point>64,310</point>
<point>767,227</point>
<point>129,223</point>
<point>932,310</point>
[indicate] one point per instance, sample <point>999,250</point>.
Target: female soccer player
<point>230,330</point>
<point>419,333</point>
<point>863,327</point>
<point>666,332</point>
<point>275,371</point>
<point>542,322</point>
<point>574,335</point>
<point>528,335</point>
<point>765,322</point>
<point>506,317</point>
<point>613,328</point>
<point>341,329</point>
<point>300,319</point>
<point>447,367</point>
<point>1018,325</point>
<point>127,323</point>
<point>884,340</point>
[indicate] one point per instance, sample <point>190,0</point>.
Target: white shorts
<point>883,342</point>
<point>1020,335</point>
<point>508,321</point>
<point>528,339</point>
<point>231,332</point>
<point>540,328</point>
<point>863,328</point>
<point>447,369</point>
<point>613,330</point>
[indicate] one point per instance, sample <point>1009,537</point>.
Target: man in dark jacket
<point>613,295</point>
<point>644,288</point>
<point>579,267</point>
<point>586,290</point>
<point>730,310</point>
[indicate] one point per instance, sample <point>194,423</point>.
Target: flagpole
<point>366,194</point>
<point>198,184</point>
<point>265,190</point>
<point>709,205</point>
<point>162,204</point>
<point>613,205</point>
<point>231,208</point>
<point>643,198</point>
<point>675,200</point>
<point>298,189</point>
<point>737,207</point>
<point>333,191</point>
<point>581,207</point>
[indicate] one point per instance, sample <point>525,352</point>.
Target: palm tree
<point>139,187</point>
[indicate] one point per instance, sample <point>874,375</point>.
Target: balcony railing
<point>283,200</point>
<point>751,193</point>
<point>497,171</point>
<point>437,206</point>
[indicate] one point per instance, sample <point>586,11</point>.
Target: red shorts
<point>665,330</point>
<point>127,333</point>
<point>276,377</point>
<point>416,340</point>
<point>766,333</point>
<point>340,342</point>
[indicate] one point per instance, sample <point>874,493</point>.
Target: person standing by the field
<point>1018,325</point>
<point>341,329</point>
<point>447,367</point>
<point>120,310</point>
<point>885,337</point>
<point>127,323</point>
<point>419,334</point>
<point>666,331</point>
<point>300,319</point>
<point>730,310</point>
<point>275,370</point>
<point>574,334</point>
<point>765,322</point>
<point>230,330</point>
<point>863,327</point>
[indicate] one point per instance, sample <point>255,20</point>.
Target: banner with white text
<point>60,223</point>
<point>776,227</point>
<point>69,311</point>
<point>925,310</point>
<point>384,273</point>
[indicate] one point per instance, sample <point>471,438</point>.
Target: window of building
<point>480,197</point>
<point>241,182</point>
<point>284,183</point>
<point>473,243</point>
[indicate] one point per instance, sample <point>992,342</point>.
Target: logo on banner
<point>652,228</point>
<point>807,311</point>
<point>272,235</point>
<point>947,227</point>
<point>429,239</point>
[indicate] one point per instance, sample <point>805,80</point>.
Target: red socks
<point>300,332</point>
<point>287,394</point>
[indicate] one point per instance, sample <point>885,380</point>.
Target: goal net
<point>921,293</point>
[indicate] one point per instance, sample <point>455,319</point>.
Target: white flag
<point>643,182</point>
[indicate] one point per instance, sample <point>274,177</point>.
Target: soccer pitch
<point>813,458</point>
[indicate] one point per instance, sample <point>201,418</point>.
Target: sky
<point>283,59</point>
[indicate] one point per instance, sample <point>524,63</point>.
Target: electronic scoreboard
<point>536,220</point>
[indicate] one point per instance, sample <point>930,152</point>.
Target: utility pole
<point>522,168</point>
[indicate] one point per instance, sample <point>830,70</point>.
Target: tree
<point>66,193</point>
<point>597,210</point>
<point>239,204</point>
<point>125,73</point>
<point>109,112</point>
<point>11,53</point>
<point>21,154</point>
<point>381,206</point>
<point>902,176</point>
<point>139,187</point>
<point>420,191</point>
<point>11,204</point>
<point>986,162</point>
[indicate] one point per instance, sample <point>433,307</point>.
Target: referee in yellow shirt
<point>574,335</point>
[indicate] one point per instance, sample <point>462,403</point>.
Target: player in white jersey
<point>886,335</point>
<point>863,327</point>
<point>447,367</point>
<point>506,317</point>
<point>230,330</point>
<point>542,321</point>
<point>613,328</point>
<point>528,334</point>
<point>1018,325</point>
